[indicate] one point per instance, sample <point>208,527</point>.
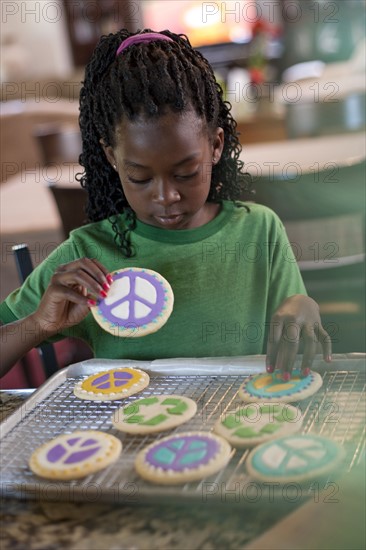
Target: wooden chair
<point>70,202</point>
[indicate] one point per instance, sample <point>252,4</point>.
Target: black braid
<point>143,80</point>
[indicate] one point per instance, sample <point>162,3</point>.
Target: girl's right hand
<point>73,289</point>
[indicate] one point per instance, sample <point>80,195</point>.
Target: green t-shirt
<point>228,277</point>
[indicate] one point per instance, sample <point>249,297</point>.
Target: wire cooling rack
<point>336,411</point>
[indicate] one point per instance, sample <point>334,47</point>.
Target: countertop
<point>55,526</point>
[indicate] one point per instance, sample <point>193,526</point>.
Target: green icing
<point>135,419</point>
<point>230,422</point>
<point>270,409</point>
<point>270,428</point>
<point>245,432</point>
<point>248,412</point>
<point>179,406</point>
<point>158,419</point>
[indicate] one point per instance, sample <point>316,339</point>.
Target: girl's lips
<point>169,220</point>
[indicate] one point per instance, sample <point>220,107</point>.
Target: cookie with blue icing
<point>254,423</point>
<point>271,387</point>
<point>294,458</point>
<point>183,457</point>
<point>139,302</point>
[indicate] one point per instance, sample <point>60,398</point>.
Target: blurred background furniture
<point>316,186</point>
<point>61,145</point>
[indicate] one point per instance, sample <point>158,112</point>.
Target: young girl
<point>164,179</point>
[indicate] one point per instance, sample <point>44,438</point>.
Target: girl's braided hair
<point>143,80</point>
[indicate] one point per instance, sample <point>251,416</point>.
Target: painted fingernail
<point>106,286</point>
<point>103,294</point>
<point>286,376</point>
<point>109,279</point>
<point>92,303</point>
<point>305,372</point>
<point>269,368</point>
<point>328,358</point>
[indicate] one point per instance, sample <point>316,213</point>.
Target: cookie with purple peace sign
<point>183,457</point>
<point>75,455</point>
<point>112,384</point>
<point>138,303</point>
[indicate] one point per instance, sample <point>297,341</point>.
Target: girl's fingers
<point>83,273</point>
<point>310,345</point>
<point>274,338</point>
<point>326,343</point>
<point>288,349</point>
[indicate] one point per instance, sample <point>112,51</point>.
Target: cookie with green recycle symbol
<point>154,414</point>
<point>255,423</point>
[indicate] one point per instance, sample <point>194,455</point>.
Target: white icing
<point>295,462</point>
<point>273,456</point>
<point>119,289</point>
<point>146,290</point>
<point>299,443</point>
<point>122,310</point>
<point>141,310</point>
<point>316,453</point>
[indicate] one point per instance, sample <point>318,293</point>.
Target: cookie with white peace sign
<point>112,384</point>
<point>75,455</point>
<point>154,414</point>
<point>256,423</point>
<point>139,302</point>
<point>294,458</point>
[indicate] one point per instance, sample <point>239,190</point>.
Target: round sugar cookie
<point>75,455</point>
<point>268,387</point>
<point>254,423</point>
<point>294,458</point>
<point>183,457</point>
<point>112,384</point>
<point>138,303</point>
<point>154,414</point>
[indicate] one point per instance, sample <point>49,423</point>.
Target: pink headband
<point>138,38</point>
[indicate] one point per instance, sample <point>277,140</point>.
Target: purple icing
<point>103,382</point>
<point>56,453</point>
<point>79,456</point>
<point>73,440</point>
<point>184,452</point>
<point>156,309</point>
<point>100,379</point>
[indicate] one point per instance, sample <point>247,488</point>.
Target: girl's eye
<point>132,180</point>
<point>188,176</point>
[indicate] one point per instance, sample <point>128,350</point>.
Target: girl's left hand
<point>297,318</point>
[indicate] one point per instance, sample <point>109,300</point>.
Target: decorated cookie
<point>154,414</point>
<point>271,387</point>
<point>294,458</point>
<point>112,384</point>
<point>75,455</point>
<point>255,423</point>
<point>138,303</point>
<point>183,457</point>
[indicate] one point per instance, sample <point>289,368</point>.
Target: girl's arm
<point>73,288</point>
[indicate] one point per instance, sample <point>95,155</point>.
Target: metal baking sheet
<point>336,411</point>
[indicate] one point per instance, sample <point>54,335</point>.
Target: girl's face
<point>165,167</point>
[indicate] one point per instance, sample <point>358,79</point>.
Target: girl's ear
<point>217,144</point>
<point>109,153</point>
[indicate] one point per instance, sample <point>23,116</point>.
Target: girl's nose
<point>165,193</point>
